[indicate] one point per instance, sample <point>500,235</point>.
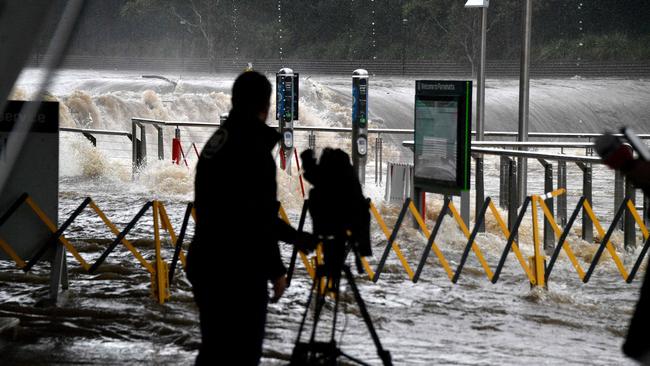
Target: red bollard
<point>176,147</point>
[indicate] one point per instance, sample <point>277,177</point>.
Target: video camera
<point>339,211</point>
<point>618,151</point>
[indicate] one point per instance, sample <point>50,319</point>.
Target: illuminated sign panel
<point>442,135</point>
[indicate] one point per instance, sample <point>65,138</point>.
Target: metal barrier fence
<point>536,270</point>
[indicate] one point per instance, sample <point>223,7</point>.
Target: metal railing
<point>508,190</point>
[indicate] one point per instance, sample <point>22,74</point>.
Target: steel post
<point>480,189</point>
<point>143,145</point>
<point>503,181</point>
<point>56,273</point>
<point>646,206</point>
<point>587,224</point>
<point>381,160</point>
<point>619,192</point>
<point>549,235</point>
<point>134,146</point>
<point>513,195</point>
<point>629,230</point>
<point>417,201</point>
<point>561,199</point>
<point>161,143</point>
<point>465,207</point>
<point>376,158</point>
<point>524,94</point>
<point>312,141</point>
<point>480,78</point>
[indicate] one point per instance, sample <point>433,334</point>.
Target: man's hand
<point>279,285</point>
<point>306,242</point>
<point>640,174</point>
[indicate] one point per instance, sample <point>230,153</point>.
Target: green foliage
<point>342,29</point>
<point>602,47</point>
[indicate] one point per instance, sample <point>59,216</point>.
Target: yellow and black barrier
<point>604,237</point>
<point>157,269</point>
<point>537,272</point>
<point>448,207</point>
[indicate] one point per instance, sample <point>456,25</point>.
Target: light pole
<point>524,96</point>
<point>480,101</point>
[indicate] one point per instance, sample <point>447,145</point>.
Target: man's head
<point>251,95</point>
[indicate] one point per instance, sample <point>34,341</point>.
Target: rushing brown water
<point>110,317</point>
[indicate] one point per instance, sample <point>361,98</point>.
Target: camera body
<point>339,211</point>
<point>618,152</point>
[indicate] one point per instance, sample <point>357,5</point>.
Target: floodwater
<point>110,317</point>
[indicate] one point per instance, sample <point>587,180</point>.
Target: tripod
<point>327,353</point>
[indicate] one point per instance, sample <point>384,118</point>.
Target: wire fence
<point>494,68</point>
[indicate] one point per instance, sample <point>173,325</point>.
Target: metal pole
<point>480,117</point>
<point>524,94</point>
<point>143,145</point>
<point>646,204</point>
<point>480,190</point>
<point>56,274</point>
<point>134,146</point>
<point>512,193</point>
<point>381,160</point>
<point>464,207</point>
<point>480,87</point>
<point>619,193</point>
<point>561,199</point>
<point>503,181</point>
<point>549,237</point>
<point>376,157</point>
<point>161,147</point>
<point>629,232</point>
<point>587,224</point>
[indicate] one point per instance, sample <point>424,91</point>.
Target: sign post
<point>360,122</point>
<point>286,108</point>
<point>443,112</point>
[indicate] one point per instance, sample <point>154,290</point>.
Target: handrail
<point>536,144</point>
<point>95,132</point>
<point>150,121</point>
<point>555,134</point>
<point>296,128</point>
<point>401,131</point>
<point>537,155</point>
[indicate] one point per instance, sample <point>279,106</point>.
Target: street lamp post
<point>524,94</point>
<point>480,102</point>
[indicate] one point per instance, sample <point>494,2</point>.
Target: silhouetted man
<point>637,343</point>
<point>235,248</point>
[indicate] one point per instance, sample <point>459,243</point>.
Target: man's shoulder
<point>215,144</point>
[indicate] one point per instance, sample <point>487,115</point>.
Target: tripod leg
<point>304,315</point>
<point>320,302</point>
<point>337,297</point>
<point>383,354</point>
